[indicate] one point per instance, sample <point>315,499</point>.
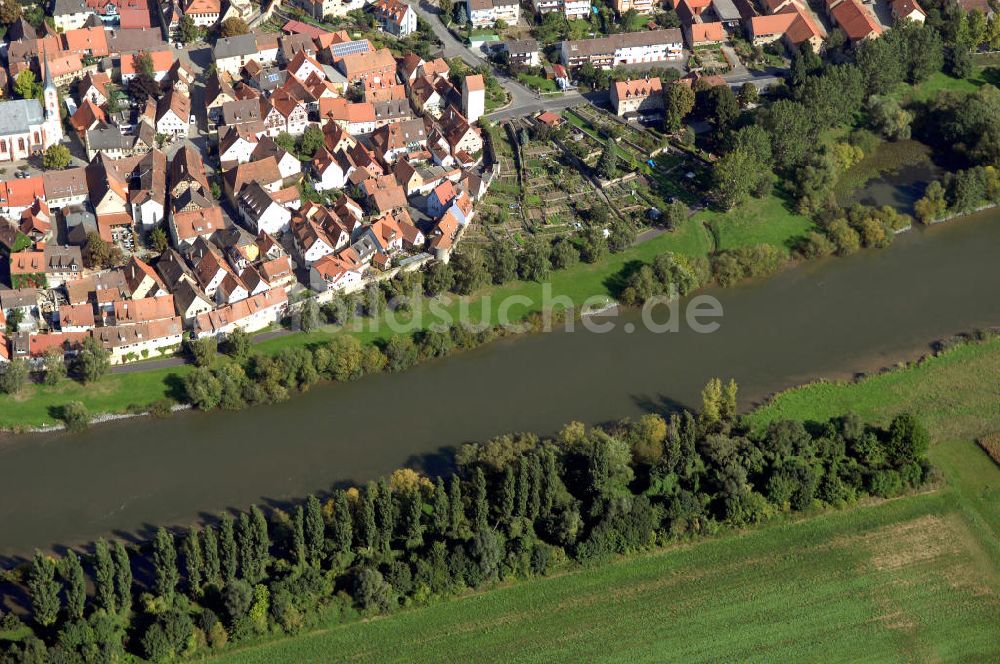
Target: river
<point>829,318</point>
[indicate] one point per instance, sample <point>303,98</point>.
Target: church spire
<point>46,72</point>
<point>50,100</point>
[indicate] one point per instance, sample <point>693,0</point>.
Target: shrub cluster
<point>667,272</point>
<point>759,260</point>
<point>960,192</point>
<point>846,230</point>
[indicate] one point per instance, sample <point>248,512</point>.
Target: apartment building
<point>623,49</point>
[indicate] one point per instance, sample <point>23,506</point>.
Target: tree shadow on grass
<point>616,282</point>
<point>175,387</point>
<point>991,75</point>
<point>57,412</point>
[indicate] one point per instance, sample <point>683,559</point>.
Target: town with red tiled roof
<point>175,226</point>
<point>221,205</point>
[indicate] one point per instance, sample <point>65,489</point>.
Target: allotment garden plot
<point>548,187</point>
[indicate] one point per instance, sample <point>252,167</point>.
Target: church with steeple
<point>28,127</point>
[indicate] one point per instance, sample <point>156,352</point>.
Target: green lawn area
<point>537,82</point>
<point>675,184</point>
<point>957,393</point>
<point>577,284</point>
<point>38,405</point>
<point>580,29</point>
<point>938,82</point>
<point>577,121</point>
<point>758,221</point>
<point>588,128</point>
<point>911,579</point>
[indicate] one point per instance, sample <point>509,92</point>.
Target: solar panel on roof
<point>349,48</point>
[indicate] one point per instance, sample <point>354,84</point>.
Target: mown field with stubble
<point>908,580</point>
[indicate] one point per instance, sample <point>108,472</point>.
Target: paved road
<point>537,105</point>
<point>760,79</point>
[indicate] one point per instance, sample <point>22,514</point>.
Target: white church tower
<point>473,97</point>
<point>52,129</point>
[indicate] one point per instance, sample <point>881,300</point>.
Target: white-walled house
<point>173,113</point>
<point>288,164</point>
<point>624,48</point>
<point>232,53</point>
<point>250,315</point>
<point>461,208</point>
<point>237,145</point>
<point>396,17</point>
<point>261,212</point>
<point>331,170</point>
<point>473,97</point>
<point>127,343</point>
<point>311,242</point>
<point>336,273</point>
<point>302,65</point>
<point>148,200</point>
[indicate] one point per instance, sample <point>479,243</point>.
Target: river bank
<point>830,318</point>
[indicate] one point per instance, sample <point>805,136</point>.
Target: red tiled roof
<point>204,7</point>
<point>855,20</point>
<point>804,27</point>
<point>40,344</point>
<point>144,309</point>
<point>92,40</point>
<point>640,87</point>
<point>76,315</point>
<point>475,82</point>
<point>445,192</point>
<point>65,64</point>
<point>906,7</point>
<point>549,118</point>
<point>27,262</point>
<point>86,116</point>
<point>707,32</point>
<point>360,64</point>
<point>135,19</point>
<point>195,223</point>
<point>300,28</point>
<point>136,270</point>
<point>773,24</point>
<point>276,269</point>
<point>162,62</point>
<point>224,316</point>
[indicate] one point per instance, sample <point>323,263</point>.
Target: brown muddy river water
<point>826,319</point>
